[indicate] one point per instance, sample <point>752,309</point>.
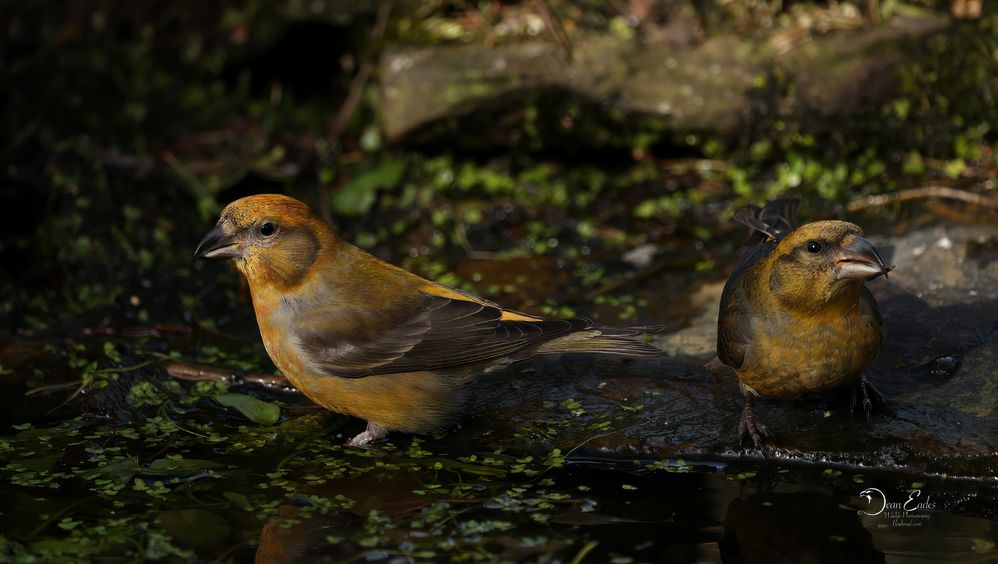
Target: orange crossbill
<point>365,338</point>
<point>795,315</point>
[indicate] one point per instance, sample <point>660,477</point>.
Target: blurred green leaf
<point>260,411</point>
<point>178,466</point>
<point>53,547</point>
<point>357,197</point>
<point>238,499</point>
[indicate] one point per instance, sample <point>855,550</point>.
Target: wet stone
<point>937,371</point>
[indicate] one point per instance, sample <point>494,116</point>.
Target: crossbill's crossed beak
<point>218,245</point>
<point>860,261</point>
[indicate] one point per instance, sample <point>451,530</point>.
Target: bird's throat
<point>809,293</point>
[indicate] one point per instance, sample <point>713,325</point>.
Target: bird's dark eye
<point>813,247</point>
<point>267,229</point>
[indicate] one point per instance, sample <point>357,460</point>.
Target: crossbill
<point>365,338</point>
<point>795,314</point>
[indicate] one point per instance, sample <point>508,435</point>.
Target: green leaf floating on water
<point>196,528</point>
<point>182,464</point>
<point>179,467</point>
<point>260,411</point>
<point>239,499</point>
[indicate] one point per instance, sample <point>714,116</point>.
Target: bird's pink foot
<point>374,432</point>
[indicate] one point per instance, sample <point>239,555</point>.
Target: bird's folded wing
<point>868,303</point>
<point>438,332</point>
<point>734,330</point>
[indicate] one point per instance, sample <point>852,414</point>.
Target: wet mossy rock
<point>708,87</point>
<point>937,370</point>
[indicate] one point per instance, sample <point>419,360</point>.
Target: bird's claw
<point>866,395</point>
<point>750,426</point>
<point>362,440</point>
<point>374,432</point>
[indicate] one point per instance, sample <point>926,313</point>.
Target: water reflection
<point>795,527</point>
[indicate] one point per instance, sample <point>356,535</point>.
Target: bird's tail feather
<point>624,341</point>
<point>773,221</point>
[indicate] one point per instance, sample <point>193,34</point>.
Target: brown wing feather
<point>440,332</point>
<point>773,221</point>
<point>734,334</point>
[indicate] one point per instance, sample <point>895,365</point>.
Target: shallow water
<point>297,493</point>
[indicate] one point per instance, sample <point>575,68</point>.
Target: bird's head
<point>821,263</point>
<point>273,239</point>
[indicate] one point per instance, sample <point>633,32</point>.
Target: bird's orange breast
<point>794,354</point>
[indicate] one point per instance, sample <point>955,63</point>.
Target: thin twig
<point>66,401</point>
<point>607,434</point>
<point>53,388</point>
<point>200,372</point>
<point>58,515</point>
<point>207,206</point>
<point>921,193</point>
<point>360,79</point>
<point>356,90</point>
<point>192,182</point>
<point>553,24</point>
<point>157,330</point>
<point>585,550</point>
<point>130,368</point>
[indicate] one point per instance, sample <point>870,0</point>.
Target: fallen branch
<point>204,372</point>
<point>922,193</point>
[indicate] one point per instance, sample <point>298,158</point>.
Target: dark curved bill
<point>217,245</point>
<point>860,261</point>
